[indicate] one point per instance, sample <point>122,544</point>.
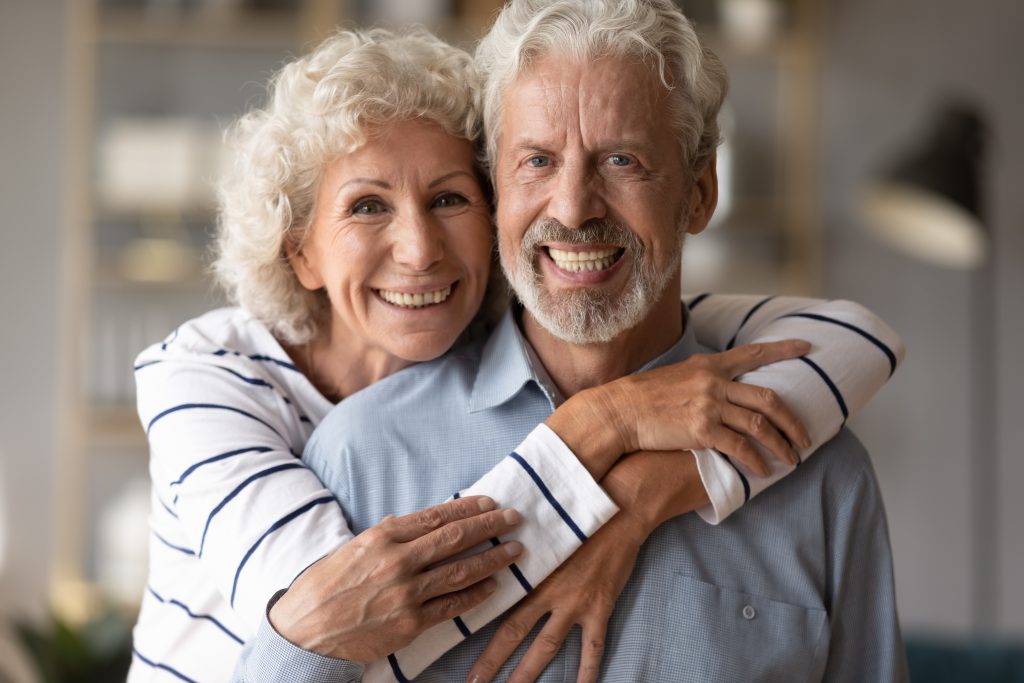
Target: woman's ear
<point>303,263</point>
<point>704,197</point>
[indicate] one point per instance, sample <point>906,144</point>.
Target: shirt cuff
<point>725,490</point>
<point>270,657</point>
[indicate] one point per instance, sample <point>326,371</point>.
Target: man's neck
<point>575,367</point>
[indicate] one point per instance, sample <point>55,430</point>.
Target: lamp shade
<point>929,204</point>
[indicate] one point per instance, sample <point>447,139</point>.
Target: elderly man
<point>601,134</point>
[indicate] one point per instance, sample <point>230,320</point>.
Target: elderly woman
<point>355,239</point>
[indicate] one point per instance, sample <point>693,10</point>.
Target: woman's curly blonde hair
<point>320,107</point>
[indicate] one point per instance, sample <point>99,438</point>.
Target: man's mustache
<point>599,231</point>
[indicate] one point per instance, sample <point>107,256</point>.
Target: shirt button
<point>749,612</point>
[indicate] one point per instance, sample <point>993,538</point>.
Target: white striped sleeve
<point>224,460</point>
<point>561,505</point>
<point>853,354</point>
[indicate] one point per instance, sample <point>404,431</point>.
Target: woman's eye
<point>537,162</point>
<point>448,200</point>
<point>368,207</point>
<point>619,160</point>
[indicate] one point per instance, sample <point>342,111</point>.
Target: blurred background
<point>850,123</point>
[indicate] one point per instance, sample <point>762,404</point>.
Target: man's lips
<point>583,264</point>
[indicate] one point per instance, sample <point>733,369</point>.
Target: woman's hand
<point>582,591</point>
<point>684,406</point>
<point>375,594</point>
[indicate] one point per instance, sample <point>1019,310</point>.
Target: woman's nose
<point>419,242</point>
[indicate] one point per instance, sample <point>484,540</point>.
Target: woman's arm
<point>853,354</point>
<point>234,497</point>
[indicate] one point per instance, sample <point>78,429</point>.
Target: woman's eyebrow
<point>366,181</point>
<point>449,176</point>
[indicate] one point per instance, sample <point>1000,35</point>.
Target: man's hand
<point>582,591</point>
<point>375,594</point>
<point>684,406</point>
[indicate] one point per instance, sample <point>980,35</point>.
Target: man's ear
<point>298,257</point>
<point>704,197</point>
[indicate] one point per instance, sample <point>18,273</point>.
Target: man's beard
<point>589,315</point>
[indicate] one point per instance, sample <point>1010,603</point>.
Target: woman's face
<point>401,242</point>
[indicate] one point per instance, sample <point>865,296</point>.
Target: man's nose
<point>418,241</point>
<point>576,197</point>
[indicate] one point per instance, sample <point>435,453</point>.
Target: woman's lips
<point>411,300</point>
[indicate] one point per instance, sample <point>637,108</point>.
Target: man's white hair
<point>585,30</point>
<point>320,107</point>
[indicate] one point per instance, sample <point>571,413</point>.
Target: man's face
<point>593,195</point>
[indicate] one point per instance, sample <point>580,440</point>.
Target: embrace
<point>380,466</point>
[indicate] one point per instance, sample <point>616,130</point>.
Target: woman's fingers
<point>758,428</point>
<point>460,535</point>
<point>542,650</point>
<point>506,639</point>
<point>766,402</point>
<point>748,357</point>
<point>416,524</point>
<point>455,576</point>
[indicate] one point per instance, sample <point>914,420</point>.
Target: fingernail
<point>511,516</point>
<point>512,548</point>
<point>806,442</point>
<point>490,585</point>
<point>805,345</point>
<point>476,679</point>
<point>486,504</point>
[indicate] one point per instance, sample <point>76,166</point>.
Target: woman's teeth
<point>579,261</point>
<point>415,300</point>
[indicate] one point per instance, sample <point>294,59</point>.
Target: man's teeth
<point>415,300</point>
<point>579,261</point>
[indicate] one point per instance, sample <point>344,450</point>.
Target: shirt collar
<point>508,364</point>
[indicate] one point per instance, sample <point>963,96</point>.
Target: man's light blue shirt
<point>795,586</point>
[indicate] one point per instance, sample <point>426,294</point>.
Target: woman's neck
<point>339,366</point>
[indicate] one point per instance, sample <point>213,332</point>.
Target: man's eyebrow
<point>448,176</point>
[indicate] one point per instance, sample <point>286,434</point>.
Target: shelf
<point>264,30</point>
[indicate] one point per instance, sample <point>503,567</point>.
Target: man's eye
<point>368,207</point>
<point>619,160</point>
<point>537,162</point>
<point>449,200</point>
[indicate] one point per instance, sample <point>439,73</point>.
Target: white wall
<point>888,63</point>
<point>32,59</point>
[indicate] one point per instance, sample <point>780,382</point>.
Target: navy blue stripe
<point>174,335</point>
<point>743,479</point>
<point>256,381</point>
<point>219,456</point>
<point>192,614</point>
<point>831,385</point>
<point>209,618</point>
<point>399,676</point>
<point>551,499</point>
<point>751,312</point>
<point>146,365</point>
<point>258,358</point>
<point>867,335</point>
<point>238,489</point>
<point>171,512</point>
<point>515,571</point>
<point>163,667</point>
<point>520,578</point>
<point>463,629</point>
<point>171,545</point>
<point>456,495</point>
<point>697,299</point>
<point>274,527</point>
<point>211,406</point>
